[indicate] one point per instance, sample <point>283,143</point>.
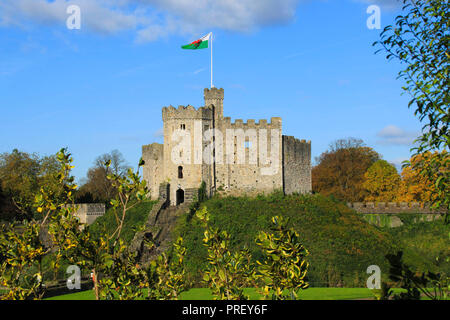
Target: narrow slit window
<point>180,172</point>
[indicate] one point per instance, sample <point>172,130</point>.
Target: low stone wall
<point>393,221</point>
<point>388,214</point>
<point>89,212</point>
<point>61,288</point>
<point>393,208</point>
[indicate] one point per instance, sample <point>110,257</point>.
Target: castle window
<point>180,172</point>
<point>248,144</point>
<point>183,126</point>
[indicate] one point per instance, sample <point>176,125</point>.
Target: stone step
<point>159,227</point>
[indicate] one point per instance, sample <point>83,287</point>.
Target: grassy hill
<point>135,218</point>
<point>341,244</point>
<point>205,294</point>
<point>422,242</point>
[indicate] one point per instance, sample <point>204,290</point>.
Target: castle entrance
<point>180,196</point>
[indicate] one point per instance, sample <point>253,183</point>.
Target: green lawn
<point>204,294</point>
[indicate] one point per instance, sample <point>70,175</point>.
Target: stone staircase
<point>159,226</point>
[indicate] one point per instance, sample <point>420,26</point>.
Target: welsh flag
<point>201,43</point>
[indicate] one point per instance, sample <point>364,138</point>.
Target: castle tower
<point>183,165</point>
<point>250,157</point>
<point>214,96</point>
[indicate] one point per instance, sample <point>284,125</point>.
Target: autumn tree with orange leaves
<point>382,182</point>
<point>340,170</point>
<point>417,187</point>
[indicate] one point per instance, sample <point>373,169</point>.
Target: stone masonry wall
<point>296,165</point>
<point>236,176</point>
<point>194,122</point>
<point>153,169</point>
<point>392,208</point>
<point>287,161</point>
<point>89,212</point>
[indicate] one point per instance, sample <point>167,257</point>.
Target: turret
<point>214,96</point>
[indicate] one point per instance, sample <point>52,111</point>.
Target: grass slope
<point>135,218</point>
<point>422,243</point>
<point>341,244</point>
<point>205,294</point>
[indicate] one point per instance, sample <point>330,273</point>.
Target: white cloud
<point>199,70</point>
<point>390,131</point>
<point>238,15</point>
<point>155,19</point>
<point>151,19</point>
<point>393,135</point>
<point>384,4</point>
<point>96,15</point>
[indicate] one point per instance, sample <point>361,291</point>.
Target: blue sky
<point>102,87</point>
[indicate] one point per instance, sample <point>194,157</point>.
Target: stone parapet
<point>89,212</point>
<point>393,207</point>
<point>188,112</point>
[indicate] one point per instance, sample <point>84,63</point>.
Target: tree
<point>114,267</point>
<point>346,144</point>
<point>415,186</point>
<point>7,209</point>
<point>117,272</point>
<point>18,174</point>
<point>118,165</point>
<point>382,182</point>
<point>22,248</point>
<point>20,252</point>
<point>340,170</point>
<point>22,175</point>
<point>435,286</point>
<point>420,40</point>
<point>284,268</point>
<point>228,271</point>
<point>98,188</point>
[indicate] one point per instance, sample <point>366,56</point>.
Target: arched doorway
<point>180,196</point>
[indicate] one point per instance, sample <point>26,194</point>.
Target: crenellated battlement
<point>297,150</point>
<point>214,93</point>
<point>187,112</point>
<point>152,151</point>
<point>214,97</point>
<point>393,207</point>
<point>291,139</point>
<point>261,159</point>
<point>275,123</point>
<point>89,212</point>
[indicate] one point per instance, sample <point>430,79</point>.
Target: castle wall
<point>250,157</point>
<point>89,212</point>
<point>393,208</point>
<point>389,214</point>
<point>214,96</point>
<point>296,165</point>
<point>153,170</point>
<point>183,130</point>
<point>251,174</point>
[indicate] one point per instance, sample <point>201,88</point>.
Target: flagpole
<point>212,86</point>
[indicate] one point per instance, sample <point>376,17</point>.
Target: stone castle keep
<point>201,145</point>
